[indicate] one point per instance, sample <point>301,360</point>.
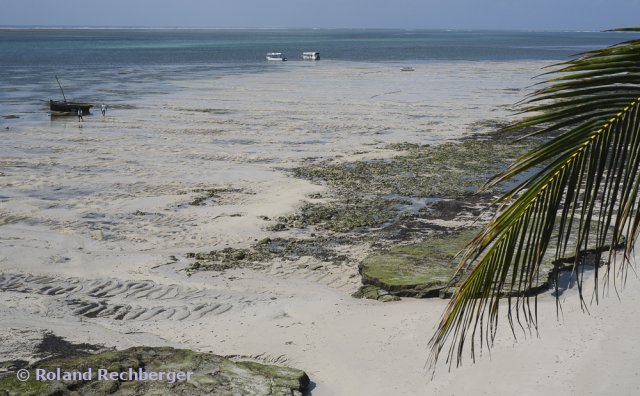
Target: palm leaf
<point>585,193</point>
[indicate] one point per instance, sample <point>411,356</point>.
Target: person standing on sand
<point>103,108</point>
<point>80,115</point>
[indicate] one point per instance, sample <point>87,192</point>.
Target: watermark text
<point>105,375</point>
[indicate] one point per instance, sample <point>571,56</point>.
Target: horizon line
<point>102,27</point>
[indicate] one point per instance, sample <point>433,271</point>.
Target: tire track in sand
<point>123,300</point>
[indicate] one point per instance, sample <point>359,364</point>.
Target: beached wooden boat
<point>69,107</point>
<point>60,106</point>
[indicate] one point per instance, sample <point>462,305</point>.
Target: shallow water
<point>201,109</point>
<point>118,66</point>
<point>236,131</point>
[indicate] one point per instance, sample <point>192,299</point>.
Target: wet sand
<point>96,223</point>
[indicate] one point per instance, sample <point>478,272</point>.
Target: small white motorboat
<point>276,56</point>
<point>311,55</point>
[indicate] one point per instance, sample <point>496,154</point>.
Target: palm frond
<point>585,193</point>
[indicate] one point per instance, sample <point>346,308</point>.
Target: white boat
<point>276,56</point>
<point>311,55</point>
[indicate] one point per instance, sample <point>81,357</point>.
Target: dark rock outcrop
<point>212,375</point>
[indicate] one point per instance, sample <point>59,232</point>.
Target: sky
<point>406,14</point>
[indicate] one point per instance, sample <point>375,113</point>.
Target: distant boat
<point>407,69</point>
<point>276,56</point>
<point>60,107</point>
<point>311,55</point>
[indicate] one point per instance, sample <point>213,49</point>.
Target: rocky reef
<point>211,375</point>
<point>419,269</point>
<point>415,210</point>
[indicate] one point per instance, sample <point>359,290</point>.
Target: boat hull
<point>69,107</point>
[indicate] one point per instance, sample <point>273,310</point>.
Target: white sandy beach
<point>98,217</point>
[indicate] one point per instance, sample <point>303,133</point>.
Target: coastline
<point>107,213</point>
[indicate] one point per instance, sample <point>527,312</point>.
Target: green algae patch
<point>269,249</point>
<point>9,385</point>
<point>211,375</point>
<point>370,193</point>
<point>449,169</point>
<point>416,270</point>
<point>340,216</point>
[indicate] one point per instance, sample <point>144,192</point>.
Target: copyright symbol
<point>22,375</point>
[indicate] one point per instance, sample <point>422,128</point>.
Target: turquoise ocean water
<point>104,64</point>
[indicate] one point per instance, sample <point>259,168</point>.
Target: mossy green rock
<point>416,270</point>
<point>212,375</point>
<point>374,293</point>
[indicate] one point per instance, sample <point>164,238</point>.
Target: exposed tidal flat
<point>237,214</point>
<point>416,209</point>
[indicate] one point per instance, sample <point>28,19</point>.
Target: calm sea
<point>119,64</point>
